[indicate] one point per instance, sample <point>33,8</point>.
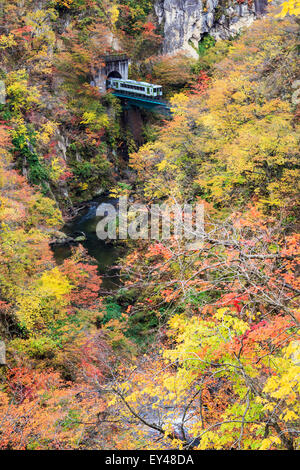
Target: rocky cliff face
<point>186,21</point>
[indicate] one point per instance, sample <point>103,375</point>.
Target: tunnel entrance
<point>114,74</point>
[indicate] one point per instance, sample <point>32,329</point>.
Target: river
<point>105,254</point>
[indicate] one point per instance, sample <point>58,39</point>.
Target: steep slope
<point>186,22</point>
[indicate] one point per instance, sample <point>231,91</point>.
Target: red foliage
<point>201,84</point>
<point>86,281</point>
<point>24,384</point>
<point>66,176</point>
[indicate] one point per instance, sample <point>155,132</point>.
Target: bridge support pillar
<point>133,120</point>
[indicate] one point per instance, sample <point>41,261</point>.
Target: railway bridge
<point>116,66</point>
<point>143,102</point>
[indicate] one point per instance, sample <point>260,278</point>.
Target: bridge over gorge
<point>141,101</point>
<point>132,93</point>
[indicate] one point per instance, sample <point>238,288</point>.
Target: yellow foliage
<point>56,169</point>
<point>47,131</point>
<point>114,14</point>
<point>94,121</point>
<point>179,103</point>
<point>268,442</point>
<point>21,95</point>
<point>40,23</point>
<point>7,41</point>
<point>47,297</point>
<point>290,7</point>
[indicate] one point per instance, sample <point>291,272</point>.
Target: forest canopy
<point>193,349</point>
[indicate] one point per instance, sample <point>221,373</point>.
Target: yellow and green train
<point>134,88</point>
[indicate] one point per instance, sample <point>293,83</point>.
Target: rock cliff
<point>185,22</point>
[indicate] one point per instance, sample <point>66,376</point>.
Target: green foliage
<point>39,348</point>
<point>206,43</point>
<point>24,141</point>
<point>142,327</point>
<point>112,311</point>
<point>212,55</point>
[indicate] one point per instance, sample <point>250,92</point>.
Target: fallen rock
<point>63,239</point>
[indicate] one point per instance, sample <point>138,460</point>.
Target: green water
<point>106,255</point>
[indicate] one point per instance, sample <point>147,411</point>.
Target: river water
<point>106,255</point>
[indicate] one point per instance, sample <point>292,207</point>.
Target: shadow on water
<point>105,254</point>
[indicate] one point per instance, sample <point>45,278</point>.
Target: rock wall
<point>186,21</point>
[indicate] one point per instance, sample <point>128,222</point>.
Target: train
<point>131,87</point>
